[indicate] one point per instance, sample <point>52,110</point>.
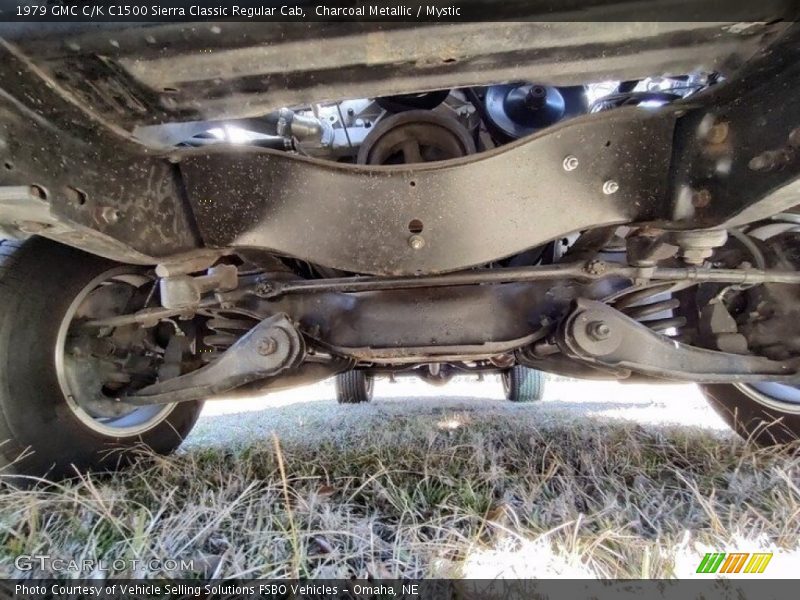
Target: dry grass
<point>454,494</point>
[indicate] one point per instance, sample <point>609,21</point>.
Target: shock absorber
<point>648,304</point>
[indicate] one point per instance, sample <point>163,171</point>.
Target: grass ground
<point>411,488</point>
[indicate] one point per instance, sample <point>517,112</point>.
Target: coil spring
<point>226,331</point>
<point>641,304</point>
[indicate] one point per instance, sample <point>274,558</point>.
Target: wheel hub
<point>96,368</point>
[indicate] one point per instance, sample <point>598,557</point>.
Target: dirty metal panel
<point>472,211</point>
<point>106,193</point>
<point>748,166</point>
<point>150,73</point>
<point>469,315</point>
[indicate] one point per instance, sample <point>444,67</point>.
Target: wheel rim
<point>505,377</point>
<point>777,396</point>
<point>370,386</point>
<point>82,385</point>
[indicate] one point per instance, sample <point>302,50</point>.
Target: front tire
<point>765,413</point>
<point>522,384</point>
<point>43,429</point>
<point>354,387</point>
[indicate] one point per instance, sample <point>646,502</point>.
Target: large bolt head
<point>594,332</point>
<point>570,163</point>
<point>610,187</point>
<point>267,346</point>
<point>718,132</point>
<point>263,288</point>
<point>598,330</point>
<point>595,267</point>
<point>417,242</point>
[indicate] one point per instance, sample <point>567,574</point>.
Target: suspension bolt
<point>760,162</point>
<point>701,198</point>
<point>263,288</point>
<point>416,242</point>
<point>718,132</point>
<point>570,163</point>
<point>595,267</point>
<point>598,330</point>
<point>108,215</point>
<point>267,346</point>
<point>772,160</point>
<point>610,187</point>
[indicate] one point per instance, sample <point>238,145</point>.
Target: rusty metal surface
<point>402,319</point>
<point>107,193</point>
<point>194,71</point>
<point>737,158</point>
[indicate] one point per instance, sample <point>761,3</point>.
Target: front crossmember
<point>719,159</point>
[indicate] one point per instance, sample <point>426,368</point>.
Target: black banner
<point>99,11</point>
<point>436,589</point>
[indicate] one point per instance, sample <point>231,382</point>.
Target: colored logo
<point>734,562</point>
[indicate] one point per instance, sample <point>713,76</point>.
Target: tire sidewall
<point>762,424</point>
<point>34,409</point>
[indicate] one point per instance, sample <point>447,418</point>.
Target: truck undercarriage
<point>275,207</point>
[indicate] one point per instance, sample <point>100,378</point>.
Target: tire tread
<point>352,387</point>
<point>525,384</point>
